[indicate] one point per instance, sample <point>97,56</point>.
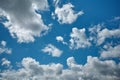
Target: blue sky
<point>60,36</point>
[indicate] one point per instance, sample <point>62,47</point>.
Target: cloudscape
<point>59,40</point>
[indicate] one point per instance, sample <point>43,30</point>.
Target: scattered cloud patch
<point>94,69</point>
<point>5,62</point>
<point>27,25</point>
<point>4,49</point>
<point>66,14</point>
<point>79,39</point>
<point>52,50</point>
<point>60,39</point>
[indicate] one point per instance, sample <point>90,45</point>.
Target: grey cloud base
<point>23,22</point>
<point>94,69</point>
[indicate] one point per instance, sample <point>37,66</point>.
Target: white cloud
<point>66,15</point>
<point>94,69</point>
<point>99,35</point>
<point>4,49</point>
<point>56,2</point>
<point>23,22</point>
<point>111,52</point>
<point>78,39</point>
<point>60,39</point>
<point>5,62</point>
<point>106,33</point>
<point>52,50</point>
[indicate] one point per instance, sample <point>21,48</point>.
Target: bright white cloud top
<point>66,15</point>
<point>52,50</point>
<point>61,39</point>
<point>78,39</point>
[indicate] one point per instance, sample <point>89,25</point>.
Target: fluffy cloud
<point>99,35</point>
<point>111,52</point>
<point>60,39</point>
<point>78,39</point>
<point>94,69</point>
<point>52,50</point>
<point>23,22</point>
<point>66,15</point>
<point>4,49</point>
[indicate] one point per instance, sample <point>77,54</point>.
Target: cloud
<point>4,49</point>
<point>5,62</point>
<point>94,69</point>
<point>56,2</point>
<point>52,50</point>
<point>66,15</point>
<point>99,35</point>
<point>23,22</point>
<point>79,39</point>
<point>111,52</point>
<point>60,39</point>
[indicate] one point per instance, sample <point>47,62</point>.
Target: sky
<point>59,40</point>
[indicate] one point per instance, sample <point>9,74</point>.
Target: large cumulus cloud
<point>94,69</point>
<point>23,22</point>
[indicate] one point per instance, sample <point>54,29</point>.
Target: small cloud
<point>4,49</point>
<point>52,50</point>
<point>60,39</point>
<point>5,62</point>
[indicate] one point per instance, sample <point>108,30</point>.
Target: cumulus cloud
<point>94,69</point>
<point>66,14</point>
<point>4,49</point>
<point>110,51</point>
<point>60,39</point>
<point>52,50</point>
<point>23,22</point>
<point>100,34</point>
<point>78,39</point>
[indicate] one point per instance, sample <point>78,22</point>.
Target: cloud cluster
<point>4,49</point>
<point>66,15</point>
<point>78,39</point>
<point>23,22</point>
<point>52,50</point>
<point>94,69</point>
